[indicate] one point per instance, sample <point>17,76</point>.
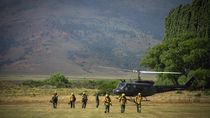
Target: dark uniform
<point>138,100</point>
<point>84,100</point>
<point>107,103</point>
<point>123,101</point>
<point>72,100</point>
<point>54,100</point>
<point>97,100</point>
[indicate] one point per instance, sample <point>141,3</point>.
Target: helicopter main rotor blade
<point>135,71</point>
<point>155,72</point>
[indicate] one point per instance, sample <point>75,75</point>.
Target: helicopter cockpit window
<point>128,87</point>
<point>121,85</point>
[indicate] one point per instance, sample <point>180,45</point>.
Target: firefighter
<point>84,100</point>
<point>54,100</point>
<point>72,100</point>
<point>107,103</point>
<point>138,100</point>
<point>123,101</point>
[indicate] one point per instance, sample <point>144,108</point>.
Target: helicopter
<point>147,87</point>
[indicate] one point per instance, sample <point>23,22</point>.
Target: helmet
<point>139,94</point>
<point>72,93</point>
<point>107,95</point>
<point>123,94</point>
<point>83,93</point>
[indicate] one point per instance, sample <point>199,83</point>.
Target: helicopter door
<point>129,88</point>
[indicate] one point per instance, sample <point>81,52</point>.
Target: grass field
<point>159,106</point>
<point>17,101</point>
<point>41,110</point>
<point>19,77</point>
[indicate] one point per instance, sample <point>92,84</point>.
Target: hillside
<point>77,36</point>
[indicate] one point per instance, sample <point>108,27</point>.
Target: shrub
<point>203,78</point>
<point>33,83</point>
<point>58,80</point>
<point>107,86</point>
<point>207,92</point>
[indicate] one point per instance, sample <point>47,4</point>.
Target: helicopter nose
<point>116,91</point>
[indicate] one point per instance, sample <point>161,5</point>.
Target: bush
<point>105,86</point>
<point>207,92</point>
<point>33,83</point>
<point>89,84</point>
<point>203,78</point>
<point>58,80</point>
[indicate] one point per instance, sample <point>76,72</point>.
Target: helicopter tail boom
<point>189,82</point>
<point>187,85</point>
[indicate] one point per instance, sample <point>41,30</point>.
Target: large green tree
<point>186,45</point>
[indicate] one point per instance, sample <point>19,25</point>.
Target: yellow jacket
<point>72,98</point>
<point>123,100</point>
<point>107,101</point>
<point>138,100</point>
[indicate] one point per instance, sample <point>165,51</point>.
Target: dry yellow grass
<point>26,102</point>
<point>164,105</point>
<point>43,109</point>
<point>163,98</point>
<point>184,97</point>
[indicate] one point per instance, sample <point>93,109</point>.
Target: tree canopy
<point>186,45</point>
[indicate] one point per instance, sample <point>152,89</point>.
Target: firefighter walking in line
<point>97,100</point>
<point>107,103</point>
<point>84,100</point>
<point>54,100</point>
<point>138,100</point>
<point>72,100</point>
<point>123,101</point>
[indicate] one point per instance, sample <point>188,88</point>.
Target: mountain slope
<point>73,36</point>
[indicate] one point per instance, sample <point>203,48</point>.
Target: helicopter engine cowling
<point>145,81</point>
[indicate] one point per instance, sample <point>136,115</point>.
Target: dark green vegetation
<point>191,19</point>
<point>58,80</point>
<point>186,45</point>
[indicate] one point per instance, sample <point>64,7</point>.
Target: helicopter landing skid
<point>146,99</point>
